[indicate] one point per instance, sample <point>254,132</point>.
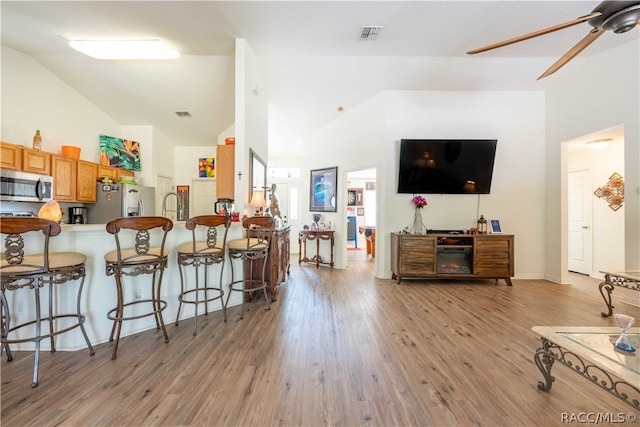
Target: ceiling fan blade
<point>535,33</point>
<point>579,47</point>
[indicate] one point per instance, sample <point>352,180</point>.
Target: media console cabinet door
<point>493,256</point>
<point>418,255</point>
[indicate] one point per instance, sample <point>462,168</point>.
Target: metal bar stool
<point>36,271</point>
<point>140,259</point>
<point>203,252</point>
<point>252,249</point>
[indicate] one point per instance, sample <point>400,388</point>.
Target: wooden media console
<point>452,256</point>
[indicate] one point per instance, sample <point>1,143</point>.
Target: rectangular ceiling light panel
<point>125,49</point>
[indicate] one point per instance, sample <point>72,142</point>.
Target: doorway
<point>361,208</point>
<point>594,232</point>
<point>203,197</point>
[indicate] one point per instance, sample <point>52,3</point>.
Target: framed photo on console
<point>495,226</point>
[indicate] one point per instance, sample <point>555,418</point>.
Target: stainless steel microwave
<point>25,187</point>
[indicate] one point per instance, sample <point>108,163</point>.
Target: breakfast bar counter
<point>99,293</point>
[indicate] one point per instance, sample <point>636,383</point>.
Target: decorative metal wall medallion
<point>612,192</point>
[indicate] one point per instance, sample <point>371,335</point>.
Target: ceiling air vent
<point>183,114</point>
<point>370,32</point>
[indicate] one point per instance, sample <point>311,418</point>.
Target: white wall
<point>370,135</point>
<point>34,98</point>
<point>354,141</point>
<point>251,117</point>
<point>599,93</point>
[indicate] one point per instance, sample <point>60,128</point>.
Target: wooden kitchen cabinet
<point>64,172</point>
<point>225,171</point>
<point>10,156</point>
<point>114,173</point>
<point>123,172</point>
<point>36,161</point>
<point>107,171</point>
<point>87,175</point>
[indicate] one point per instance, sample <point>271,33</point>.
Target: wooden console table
<point>309,235</point>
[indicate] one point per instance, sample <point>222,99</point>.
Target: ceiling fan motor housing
<point>617,16</point>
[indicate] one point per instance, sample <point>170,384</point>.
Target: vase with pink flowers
<point>418,227</point>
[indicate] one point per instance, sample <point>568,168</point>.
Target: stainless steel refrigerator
<point>122,200</point>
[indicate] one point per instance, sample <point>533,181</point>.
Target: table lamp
<point>258,201</point>
<point>50,210</point>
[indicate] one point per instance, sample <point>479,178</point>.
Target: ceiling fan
<point>617,16</point>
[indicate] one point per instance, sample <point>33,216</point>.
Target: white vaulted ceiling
<point>313,59</point>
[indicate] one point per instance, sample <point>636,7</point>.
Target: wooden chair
<point>206,248</point>
<point>251,249</point>
<point>28,263</point>
<point>140,258</point>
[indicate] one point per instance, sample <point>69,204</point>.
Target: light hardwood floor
<point>338,348</point>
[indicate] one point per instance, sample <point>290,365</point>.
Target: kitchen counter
<point>99,293</point>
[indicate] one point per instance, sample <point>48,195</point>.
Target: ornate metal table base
<point>628,279</point>
<point>551,352</point>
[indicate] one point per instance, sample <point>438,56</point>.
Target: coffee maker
<point>224,207</point>
<point>78,215</point>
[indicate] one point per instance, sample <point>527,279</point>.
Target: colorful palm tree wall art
<point>120,153</point>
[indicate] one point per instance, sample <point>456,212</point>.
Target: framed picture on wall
<point>359,197</point>
<point>360,211</point>
<point>206,167</point>
<point>120,153</point>
<point>322,190</point>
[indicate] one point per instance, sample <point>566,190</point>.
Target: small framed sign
<point>495,226</point>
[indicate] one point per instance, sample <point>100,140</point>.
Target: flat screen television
<point>446,166</point>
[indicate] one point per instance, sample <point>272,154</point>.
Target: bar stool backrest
<point>258,230</point>
<point>17,260</point>
<point>212,240</point>
<point>142,242</point>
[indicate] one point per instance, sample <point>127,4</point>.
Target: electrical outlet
<point>137,294</point>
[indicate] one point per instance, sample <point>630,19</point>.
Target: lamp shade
<point>257,199</point>
<point>50,210</point>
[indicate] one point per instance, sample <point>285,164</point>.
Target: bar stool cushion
<point>129,255</point>
<point>201,248</point>
<point>251,244</point>
<point>35,262</point>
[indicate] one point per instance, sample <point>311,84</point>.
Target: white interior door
<point>202,197</point>
<point>282,190</point>
<point>579,210</point>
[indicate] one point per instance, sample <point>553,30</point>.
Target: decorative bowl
<point>71,151</point>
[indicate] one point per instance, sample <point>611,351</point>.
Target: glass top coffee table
<point>623,279</point>
<point>589,351</point>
